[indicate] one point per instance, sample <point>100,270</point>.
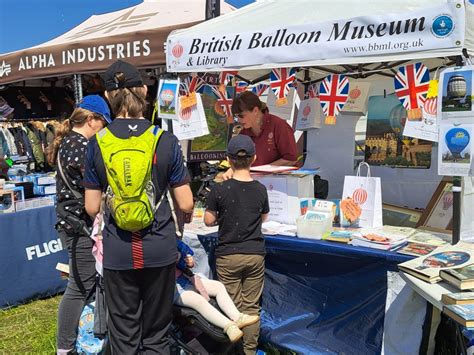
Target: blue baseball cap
<point>96,104</point>
<point>240,146</point>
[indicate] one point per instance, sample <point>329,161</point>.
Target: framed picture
<point>438,214</point>
<point>400,216</point>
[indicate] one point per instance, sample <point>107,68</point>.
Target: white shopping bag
<point>365,191</point>
<point>358,98</point>
<point>309,115</point>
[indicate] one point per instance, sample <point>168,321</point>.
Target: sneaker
<point>233,332</point>
<point>246,320</point>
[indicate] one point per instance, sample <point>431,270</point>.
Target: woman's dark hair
<point>247,101</point>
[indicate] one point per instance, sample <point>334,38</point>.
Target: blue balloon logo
<point>457,140</point>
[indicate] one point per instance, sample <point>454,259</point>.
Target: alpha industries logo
<point>5,69</point>
<point>125,20</point>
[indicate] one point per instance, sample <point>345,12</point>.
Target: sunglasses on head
<point>239,115</point>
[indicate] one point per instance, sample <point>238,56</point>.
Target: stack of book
<point>386,238</point>
<point>460,307</point>
<point>462,278</point>
<point>445,258</point>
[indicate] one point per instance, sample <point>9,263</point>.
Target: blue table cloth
<point>323,297</point>
<point>29,251</point>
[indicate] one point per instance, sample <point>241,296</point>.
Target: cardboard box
<point>18,191</point>
<point>284,193</point>
<point>46,180</point>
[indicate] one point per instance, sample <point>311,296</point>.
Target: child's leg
<point>229,272</point>
<point>217,290</point>
<point>195,301</point>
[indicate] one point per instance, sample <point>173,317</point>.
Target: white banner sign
<point>431,28</point>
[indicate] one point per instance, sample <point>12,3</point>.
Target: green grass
<point>29,328</point>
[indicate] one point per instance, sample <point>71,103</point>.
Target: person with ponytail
<point>67,153</point>
<point>273,137</point>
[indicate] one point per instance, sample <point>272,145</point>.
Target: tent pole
<point>457,189</point>
<point>77,87</point>
<point>213,9</point>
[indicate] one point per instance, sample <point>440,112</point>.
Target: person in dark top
<point>239,206</point>
<point>139,267</point>
<point>69,146</point>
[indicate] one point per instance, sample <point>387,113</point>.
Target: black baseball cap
<point>240,146</point>
<point>132,76</point>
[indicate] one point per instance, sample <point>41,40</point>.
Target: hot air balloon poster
<point>455,150</point>
<point>456,91</point>
<point>168,103</point>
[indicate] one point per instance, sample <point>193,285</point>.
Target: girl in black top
<point>68,154</point>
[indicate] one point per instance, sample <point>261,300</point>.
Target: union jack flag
<point>333,92</point>
<point>259,89</point>
<point>241,86</point>
<point>224,99</point>
<point>281,80</point>
<point>191,83</point>
<point>411,85</point>
<point>312,91</point>
<point>226,76</point>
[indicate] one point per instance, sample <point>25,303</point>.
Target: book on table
<point>462,278</point>
<point>416,249</point>
<point>428,267</point>
<point>461,313</point>
<point>458,298</point>
<point>386,238</point>
<point>430,238</point>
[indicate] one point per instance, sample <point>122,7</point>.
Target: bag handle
<point>61,172</point>
<point>363,164</point>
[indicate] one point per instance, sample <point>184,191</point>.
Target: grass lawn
<point>29,328</point>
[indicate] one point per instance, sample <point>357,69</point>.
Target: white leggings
<point>215,289</point>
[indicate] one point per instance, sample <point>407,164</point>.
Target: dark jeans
<point>140,304</point>
<point>73,300</point>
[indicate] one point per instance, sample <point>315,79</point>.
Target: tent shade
<point>136,34</point>
<point>278,33</point>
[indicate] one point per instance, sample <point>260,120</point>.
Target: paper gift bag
<point>309,115</point>
<point>358,98</point>
<point>366,192</point>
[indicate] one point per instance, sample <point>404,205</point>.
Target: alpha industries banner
<point>423,30</point>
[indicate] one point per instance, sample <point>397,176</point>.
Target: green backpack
<point>130,196</point>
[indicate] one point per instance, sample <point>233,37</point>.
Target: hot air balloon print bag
<point>366,192</point>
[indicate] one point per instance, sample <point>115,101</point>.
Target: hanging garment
<point>10,141</point>
<point>36,146</point>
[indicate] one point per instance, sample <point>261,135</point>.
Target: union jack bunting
<point>411,85</point>
<point>224,100</point>
<point>333,91</point>
<point>241,86</point>
<point>281,80</point>
<point>191,83</point>
<point>226,76</point>
<point>260,88</point>
<point>312,91</point>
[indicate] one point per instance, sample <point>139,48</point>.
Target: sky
<point>26,23</point>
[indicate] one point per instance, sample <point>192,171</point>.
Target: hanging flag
<point>333,92</point>
<point>241,86</point>
<point>191,83</point>
<point>281,80</point>
<point>260,88</point>
<point>226,76</point>
<point>411,86</point>
<point>312,91</point>
<point>223,104</point>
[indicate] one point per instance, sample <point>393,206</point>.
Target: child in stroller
<point>193,291</point>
